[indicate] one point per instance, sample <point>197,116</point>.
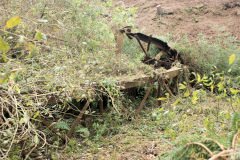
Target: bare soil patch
<point>191,17</point>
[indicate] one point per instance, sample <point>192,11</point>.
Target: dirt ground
<point>191,17</point>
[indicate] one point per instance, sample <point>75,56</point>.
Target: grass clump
<point>207,55</point>
<point>54,51</point>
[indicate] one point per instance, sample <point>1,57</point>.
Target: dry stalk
<point>221,154</point>
<point>112,99</point>
<point>33,148</point>
<point>224,153</point>
<point>13,139</point>
<point>43,138</point>
<point>114,106</point>
<point>15,133</point>
<point>219,145</point>
<point>234,142</point>
<point>201,145</point>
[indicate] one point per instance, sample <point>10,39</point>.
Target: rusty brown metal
<point>76,122</point>
<point>161,45</point>
<point>101,105</point>
<point>144,99</point>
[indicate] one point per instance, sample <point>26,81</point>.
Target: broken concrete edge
<point>149,78</point>
<point>123,83</point>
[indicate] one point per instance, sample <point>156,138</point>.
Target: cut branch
<point>114,106</point>
<point>219,145</point>
<point>201,145</point>
<point>221,154</point>
<point>234,142</point>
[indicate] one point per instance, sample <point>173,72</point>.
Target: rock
<point>120,4</point>
<point>196,20</point>
<point>159,10</point>
<point>238,12</point>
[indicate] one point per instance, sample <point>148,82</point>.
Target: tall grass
<point>212,54</point>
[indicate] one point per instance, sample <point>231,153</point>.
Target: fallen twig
<point>221,154</point>
<point>114,106</point>
<point>219,145</point>
<point>234,141</point>
<point>201,145</point>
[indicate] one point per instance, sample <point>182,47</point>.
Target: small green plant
<point>218,83</point>
<point>221,87</point>
<point>210,148</point>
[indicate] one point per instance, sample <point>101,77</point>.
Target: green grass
<point>208,55</point>
<point>157,132</point>
<point>77,53</point>
<point>73,57</point>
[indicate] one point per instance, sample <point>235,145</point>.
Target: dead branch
<point>114,104</point>
<point>221,154</point>
<point>149,43</point>
<point>201,145</point>
<point>43,11</point>
<point>234,142</point>
<point>219,145</point>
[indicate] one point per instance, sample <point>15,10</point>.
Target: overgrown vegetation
<point>48,56</point>
<point>52,61</point>
<point>208,55</point>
